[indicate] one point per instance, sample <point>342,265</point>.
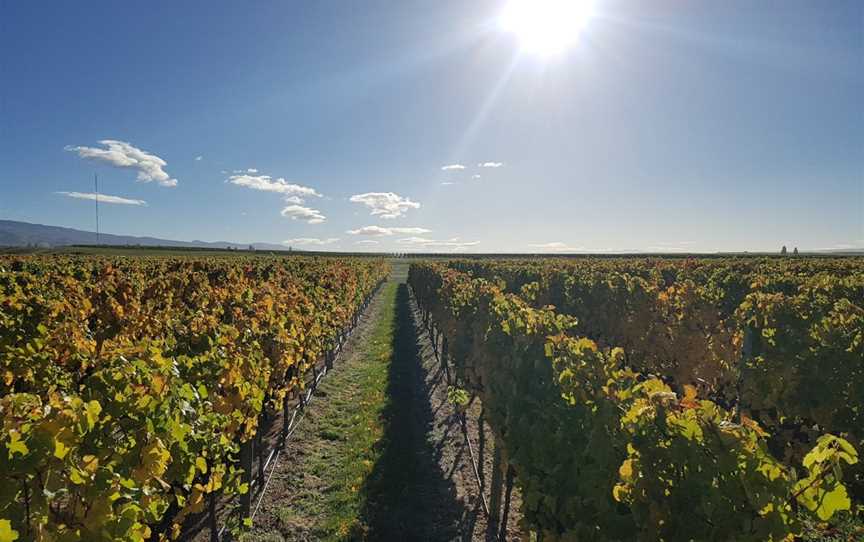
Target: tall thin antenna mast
<point>96,183</point>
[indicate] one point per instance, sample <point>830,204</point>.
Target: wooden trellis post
<point>495,488</point>
<point>214,529</point>
<point>508,491</point>
<point>246,478</point>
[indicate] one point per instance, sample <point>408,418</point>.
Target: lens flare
<point>546,26</point>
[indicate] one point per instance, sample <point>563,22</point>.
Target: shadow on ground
<point>407,497</point>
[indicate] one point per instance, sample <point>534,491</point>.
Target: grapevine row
<point>130,386</point>
<point>779,340</point>
<point>603,450</point>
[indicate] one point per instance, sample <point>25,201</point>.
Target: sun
<point>546,27</point>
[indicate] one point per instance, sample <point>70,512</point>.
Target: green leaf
<point>186,392</point>
<point>16,444</point>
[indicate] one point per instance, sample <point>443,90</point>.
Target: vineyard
<point>663,399</point>
<point>132,389</point>
<point>626,398</point>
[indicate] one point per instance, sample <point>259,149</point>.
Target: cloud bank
<point>453,244</point>
<point>378,231</point>
<point>556,246</point>
<point>103,198</point>
<point>123,155</point>
<point>452,167</point>
<point>385,204</point>
<point>266,183</point>
<point>293,194</point>
<point>310,241</point>
<point>299,212</point>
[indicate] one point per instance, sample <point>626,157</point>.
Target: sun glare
<point>546,26</point>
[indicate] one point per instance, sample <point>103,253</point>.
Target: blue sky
<point>666,125</point>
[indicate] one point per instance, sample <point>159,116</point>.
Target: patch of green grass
<point>286,515</point>
<point>350,425</point>
<point>261,537</point>
<point>330,435</point>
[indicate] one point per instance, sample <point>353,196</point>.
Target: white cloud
<point>367,242</point>
<point>378,231</point>
<point>251,170</point>
<point>452,167</point>
<point>664,248</point>
<point>293,199</point>
<point>447,183</point>
<point>448,244</point>
<point>677,246</point>
<point>842,246</point>
<point>311,241</point>
<point>475,176</point>
<point>414,241</point>
<point>298,212</point>
<point>557,246</point>
<point>104,198</point>
<point>491,164</point>
<point>199,158</point>
<point>122,154</point>
<point>385,204</point>
<point>268,184</point>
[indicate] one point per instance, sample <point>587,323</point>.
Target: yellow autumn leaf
<point>689,391</point>
<point>93,408</point>
<point>620,492</point>
<point>154,461</point>
<point>689,399</point>
<point>195,503</point>
<point>158,383</point>
<point>7,533</point>
<point>626,469</point>
<point>60,449</point>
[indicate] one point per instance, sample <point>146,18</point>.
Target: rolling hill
<point>21,234</point>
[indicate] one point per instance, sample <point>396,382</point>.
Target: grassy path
<point>360,465</point>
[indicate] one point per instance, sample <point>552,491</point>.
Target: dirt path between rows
<point>453,453</point>
<point>407,476</point>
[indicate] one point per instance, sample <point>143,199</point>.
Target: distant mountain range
<point>22,234</point>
